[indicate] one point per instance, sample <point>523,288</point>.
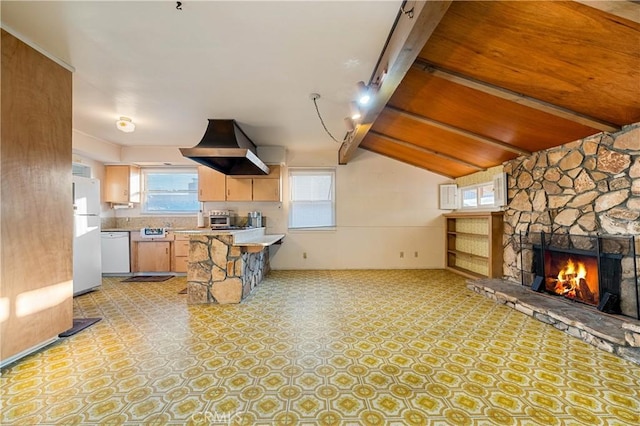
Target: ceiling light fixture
<point>314,97</point>
<point>125,125</point>
<point>363,93</point>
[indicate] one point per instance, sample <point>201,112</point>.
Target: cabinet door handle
<point>166,250</point>
<point>228,192</point>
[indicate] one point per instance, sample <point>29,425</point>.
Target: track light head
<point>354,111</point>
<point>364,96</point>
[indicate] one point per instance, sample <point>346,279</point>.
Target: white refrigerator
<point>87,259</point>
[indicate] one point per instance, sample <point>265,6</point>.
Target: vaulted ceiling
<point>477,83</point>
<point>467,84</point>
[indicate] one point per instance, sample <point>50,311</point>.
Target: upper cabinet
<point>255,188</point>
<point>212,185</point>
<point>122,184</point>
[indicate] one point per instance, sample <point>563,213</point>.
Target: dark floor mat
<point>79,324</point>
<point>147,278</point>
<point>183,291</point>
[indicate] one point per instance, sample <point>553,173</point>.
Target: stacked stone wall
<point>588,187</point>
<point>220,272</point>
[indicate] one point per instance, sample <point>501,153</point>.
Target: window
<point>483,196</point>
<point>312,198</point>
<point>477,196</point>
<point>170,190</point>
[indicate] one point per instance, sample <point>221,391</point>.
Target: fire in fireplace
<point>598,270</point>
<point>572,276</point>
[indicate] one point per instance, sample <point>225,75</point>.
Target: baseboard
<point>26,352</point>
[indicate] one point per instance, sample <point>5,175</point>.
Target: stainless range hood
<point>225,148</point>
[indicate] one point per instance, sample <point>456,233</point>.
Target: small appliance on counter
<point>220,219</point>
<point>254,220</point>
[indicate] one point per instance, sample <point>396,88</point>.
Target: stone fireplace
<point>599,271</point>
<point>576,202</point>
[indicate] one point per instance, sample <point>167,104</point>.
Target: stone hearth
<point>614,334</point>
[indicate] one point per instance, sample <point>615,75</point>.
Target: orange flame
<point>569,272</point>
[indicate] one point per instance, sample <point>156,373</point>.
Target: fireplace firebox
<point>572,275</point>
<point>594,270</point>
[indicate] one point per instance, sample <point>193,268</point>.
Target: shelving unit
<point>474,244</point>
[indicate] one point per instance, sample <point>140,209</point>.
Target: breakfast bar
<point>224,266</point>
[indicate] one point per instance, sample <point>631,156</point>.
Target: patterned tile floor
<point>318,347</point>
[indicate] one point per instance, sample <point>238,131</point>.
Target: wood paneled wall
<point>36,232</point>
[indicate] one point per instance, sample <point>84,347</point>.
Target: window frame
<point>331,171</point>
<point>478,196</point>
<point>144,171</point>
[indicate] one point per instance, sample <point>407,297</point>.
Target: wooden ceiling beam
<point>515,97</point>
<point>417,22</point>
<point>426,150</point>
<point>458,131</point>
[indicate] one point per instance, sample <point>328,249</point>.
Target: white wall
<point>383,207</point>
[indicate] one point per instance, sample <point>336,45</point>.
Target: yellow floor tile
<point>317,348</point>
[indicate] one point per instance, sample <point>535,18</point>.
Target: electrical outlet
<point>415,254</point>
<point>304,255</point>
<point>401,254</point>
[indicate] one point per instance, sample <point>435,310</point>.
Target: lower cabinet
<point>153,256</point>
<point>180,253</point>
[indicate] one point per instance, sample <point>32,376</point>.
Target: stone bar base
<point>219,272</point>
<point>615,334</point>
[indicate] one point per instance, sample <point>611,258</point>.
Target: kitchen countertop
<point>251,237</point>
<point>209,231</point>
<point>201,231</point>
<point>248,237</point>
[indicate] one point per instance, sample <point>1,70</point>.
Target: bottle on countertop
<point>200,219</point>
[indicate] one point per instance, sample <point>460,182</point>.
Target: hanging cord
<point>314,98</point>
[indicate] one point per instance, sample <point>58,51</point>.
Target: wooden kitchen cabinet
<point>239,189</point>
<point>255,188</point>
<point>266,190</point>
<point>122,184</point>
<point>180,253</point>
<point>212,185</point>
<point>474,244</point>
<point>153,256</point>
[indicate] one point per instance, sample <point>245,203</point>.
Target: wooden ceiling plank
<point>459,131</point>
<point>409,37</point>
<point>414,157</point>
<point>519,98</point>
<point>562,52</point>
<point>426,150</point>
<point>413,163</point>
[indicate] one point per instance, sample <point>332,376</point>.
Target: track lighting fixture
<point>124,124</point>
<point>355,111</point>
<point>349,124</point>
<point>363,93</point>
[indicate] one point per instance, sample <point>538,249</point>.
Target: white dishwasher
<point>115,252</point>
